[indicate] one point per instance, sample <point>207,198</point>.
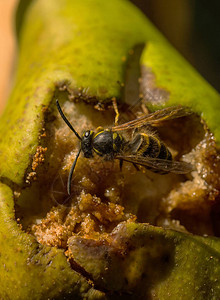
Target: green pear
<point>86,53</point>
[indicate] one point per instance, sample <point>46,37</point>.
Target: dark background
<point>193,28</point>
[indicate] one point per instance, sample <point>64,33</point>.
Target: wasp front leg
<point>120,164</point>
<point>115,106</point>
<point>144,109</point>
<point>98,129</point>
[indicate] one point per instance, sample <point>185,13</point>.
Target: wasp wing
<point>158,165</point>
<point>154,118</point>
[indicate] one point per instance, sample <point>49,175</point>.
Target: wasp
<point>142,149</point>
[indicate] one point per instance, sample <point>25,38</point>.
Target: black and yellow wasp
<point>144,148</point>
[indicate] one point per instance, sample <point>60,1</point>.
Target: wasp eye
<point>87,133</point>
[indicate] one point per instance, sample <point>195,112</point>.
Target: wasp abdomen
<point>164,152</point>
<point>148,145</point>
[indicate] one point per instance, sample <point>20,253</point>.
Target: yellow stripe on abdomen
<point>150,146</point>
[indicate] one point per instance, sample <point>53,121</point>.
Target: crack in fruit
<point>103,197</point>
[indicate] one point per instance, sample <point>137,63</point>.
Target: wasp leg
<point>136,167</point>
<point>134,131</point>
<point>100,128</point>
<point>144,109</point>
<point>120,164</point>
<point>115,106</point>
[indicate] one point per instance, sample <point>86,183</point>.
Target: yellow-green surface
<point>173,265</point>
<point>84,44</point>
<point>184,85</point>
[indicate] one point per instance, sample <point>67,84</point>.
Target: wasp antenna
<point>71,173</point>
<point>65,119</point>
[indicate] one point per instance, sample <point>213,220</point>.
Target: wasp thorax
<point>86,143</point>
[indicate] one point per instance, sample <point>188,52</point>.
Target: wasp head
<point>86,143</point>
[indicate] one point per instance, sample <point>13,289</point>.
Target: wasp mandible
<point>144,148</point>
